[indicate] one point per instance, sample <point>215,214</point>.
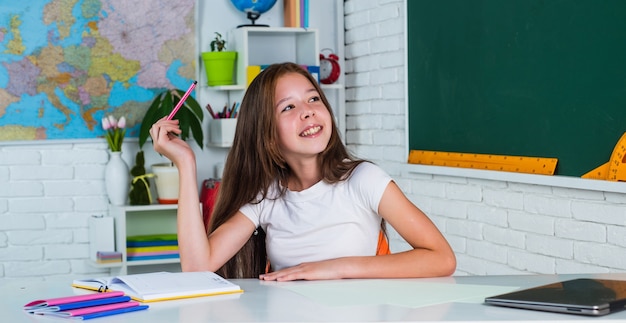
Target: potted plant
<point>219,64</point>
<point>190,118</point>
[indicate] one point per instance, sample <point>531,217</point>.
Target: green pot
<point>219,67</point>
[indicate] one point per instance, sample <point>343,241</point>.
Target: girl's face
<point>304,123</point>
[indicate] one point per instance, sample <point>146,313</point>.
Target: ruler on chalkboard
<point>615,169</point>
<point>519,164</point>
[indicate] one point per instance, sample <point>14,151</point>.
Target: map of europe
<point>66,64</point>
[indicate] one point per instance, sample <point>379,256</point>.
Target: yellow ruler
<point>519,164</point>
<point>615,169</point>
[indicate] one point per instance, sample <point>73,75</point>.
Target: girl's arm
<point>196,253</point>
<point>431,254</point>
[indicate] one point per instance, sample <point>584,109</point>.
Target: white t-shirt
<point>325,221</point>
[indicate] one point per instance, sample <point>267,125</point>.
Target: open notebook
<point>578,296</point>
<point>161,286</point>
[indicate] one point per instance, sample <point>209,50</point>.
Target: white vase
<point>117,179</point>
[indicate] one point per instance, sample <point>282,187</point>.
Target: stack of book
<point>152,247</point>
<point>296,13</point>
<point>85,307</point>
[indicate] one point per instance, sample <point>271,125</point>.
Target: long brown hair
<point>255,162</point>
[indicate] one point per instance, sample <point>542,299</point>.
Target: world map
<point>66,64</point>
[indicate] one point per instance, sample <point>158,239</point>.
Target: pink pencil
<point>182,100</point>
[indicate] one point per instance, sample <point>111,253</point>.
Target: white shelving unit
<point>266,45</point>
<point>141,220</point>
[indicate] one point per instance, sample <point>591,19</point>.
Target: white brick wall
<point>498,227</point>
<point>48,191</point>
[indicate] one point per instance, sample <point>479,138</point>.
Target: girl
<point>291,188</point>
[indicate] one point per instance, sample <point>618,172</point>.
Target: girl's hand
<point>328,269</point>
<point>166,142</point>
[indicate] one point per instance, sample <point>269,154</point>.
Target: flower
<point>114,131</point>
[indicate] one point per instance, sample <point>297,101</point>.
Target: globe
<point>253,9</point>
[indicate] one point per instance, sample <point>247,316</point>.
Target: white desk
<point>290,302</point>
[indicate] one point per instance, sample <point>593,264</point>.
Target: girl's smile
<point>311,131</point>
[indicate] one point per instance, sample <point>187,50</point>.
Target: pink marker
<point>182,100</point>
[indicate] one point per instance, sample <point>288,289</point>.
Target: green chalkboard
<point>544,78</point>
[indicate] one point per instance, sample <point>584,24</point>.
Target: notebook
<point>583,296</point>
<point>84,307</point>
<point>160,286</point>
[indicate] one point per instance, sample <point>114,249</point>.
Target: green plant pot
<point>219,67</point>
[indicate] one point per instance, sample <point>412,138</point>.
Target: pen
<point>224,111</point>
<point>182,100</point>
<point>233,114</point>
<point>232,110</point>
<point>229,112</point>
<point>208,107</point>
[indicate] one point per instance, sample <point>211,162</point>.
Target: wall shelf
<point>258,46</point>
<point>235,87</point>
<point>334,86</point>
<point>213,145</point>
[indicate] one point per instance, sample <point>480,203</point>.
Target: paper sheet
<point>400,293</point>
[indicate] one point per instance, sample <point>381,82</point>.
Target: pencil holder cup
<point>222,131</point>
<point>166,182</point>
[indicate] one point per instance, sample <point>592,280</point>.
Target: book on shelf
<point>253,70</point>
<point>148,251</point>
<point>153,249</point>
<point>161,286</point>
<point>152,240</point>
<point>315,72</point>
<point>153,257</point>
<point>152,252</point>
<point>85,306</point>
<point>296,13</point>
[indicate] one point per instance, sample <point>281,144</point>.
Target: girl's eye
<point>289,107</point>
<point>314,99</point>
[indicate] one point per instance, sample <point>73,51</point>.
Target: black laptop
<point>583,296</point>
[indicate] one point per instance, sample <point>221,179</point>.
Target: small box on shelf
<point>252,72</point>
<point>108,257</point>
